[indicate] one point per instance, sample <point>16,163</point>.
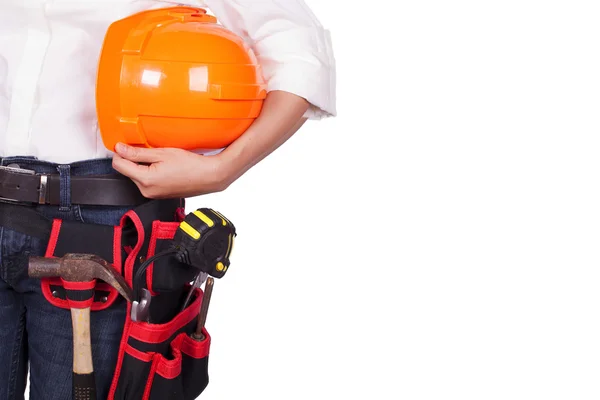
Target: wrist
<point>231,163</point>
<point>214,174</point>
<point>281,117</point>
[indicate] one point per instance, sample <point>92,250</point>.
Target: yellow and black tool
<point>204,240</point>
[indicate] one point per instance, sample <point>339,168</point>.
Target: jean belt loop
<point>65,187</point>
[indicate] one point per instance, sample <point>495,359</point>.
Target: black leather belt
<point>25,186</point>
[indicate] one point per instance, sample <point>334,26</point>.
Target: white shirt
<point>49,51</point>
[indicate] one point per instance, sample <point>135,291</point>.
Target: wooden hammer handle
<point>84,385</point>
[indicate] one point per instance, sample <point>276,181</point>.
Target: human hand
<point>170,172</point>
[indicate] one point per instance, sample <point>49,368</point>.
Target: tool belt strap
<point>144,230</point>
<point>24,219</point>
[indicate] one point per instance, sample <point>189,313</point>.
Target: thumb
<point>139,154</point>
<point>135,172</point>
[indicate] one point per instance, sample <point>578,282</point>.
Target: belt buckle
<point>43,189</point>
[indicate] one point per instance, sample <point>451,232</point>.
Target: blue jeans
<point>31,329</point>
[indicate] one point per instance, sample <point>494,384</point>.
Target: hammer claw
<point>117,282</point>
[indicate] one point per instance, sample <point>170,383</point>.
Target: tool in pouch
<point>203,240</point>
<point>79,273</point>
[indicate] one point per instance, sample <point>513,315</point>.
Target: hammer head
<point>79,268</point>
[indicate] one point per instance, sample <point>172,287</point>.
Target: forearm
<point>280,118</point>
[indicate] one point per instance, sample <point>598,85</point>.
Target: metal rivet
<point>142,259</point>
<point>104,299</point>
<point>55,293</point>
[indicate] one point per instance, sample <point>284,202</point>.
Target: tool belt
<point>157,359</point>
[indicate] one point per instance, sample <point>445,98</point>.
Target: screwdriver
<point>199,335</point>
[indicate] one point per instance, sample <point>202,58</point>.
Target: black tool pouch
<point>162,361</point>
<point>159,359</point>
<point>142,232</point>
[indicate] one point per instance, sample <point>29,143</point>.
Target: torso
<point>48,58</point>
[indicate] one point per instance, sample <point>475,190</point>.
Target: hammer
<point>79,273</point>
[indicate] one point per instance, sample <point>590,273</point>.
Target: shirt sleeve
<point>291,45</point>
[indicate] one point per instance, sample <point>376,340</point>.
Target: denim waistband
<point>99,166</point>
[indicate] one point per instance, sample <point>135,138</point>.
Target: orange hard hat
<point>174,77</point>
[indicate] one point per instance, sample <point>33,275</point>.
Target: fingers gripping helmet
<point>173,77</point>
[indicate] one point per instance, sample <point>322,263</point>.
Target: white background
<point>439,238</point>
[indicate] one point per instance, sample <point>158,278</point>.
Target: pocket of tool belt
<point>134,240</point>
<point>162,361</point>
<point>75,237</point>
<point>166,278</point>
<point>165,274</point>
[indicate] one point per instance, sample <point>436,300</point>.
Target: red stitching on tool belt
<point>194,349</point>
<point>54,233</point>
<point>112,295</point>
<point>117,249</point>
<point>129,263</point>
<point>63,303</point>
<point>180,213</point>
<point>160,231</point>
<point>46,283</point>
<point>159,333</point>
<point>151,377</point>
<point>140,355</point>
<point>48,293</point>
<point>79,285</point>
<point>171,369</point>
<point>122,346</point>
<point>80,304</point>
<point>151,251</point>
